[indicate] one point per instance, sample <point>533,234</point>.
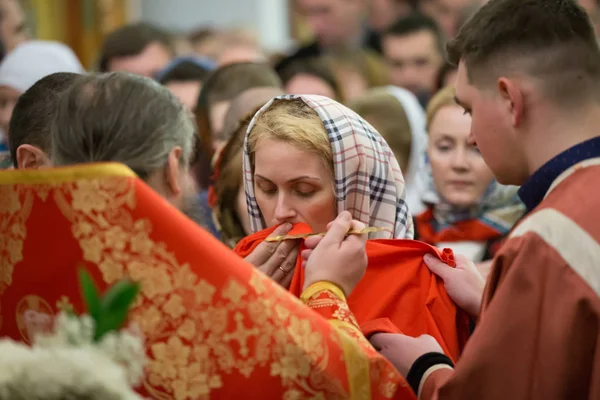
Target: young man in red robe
<point>529,73</point>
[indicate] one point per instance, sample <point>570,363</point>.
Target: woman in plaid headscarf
<point>308,158</point>
<point>303,151</point>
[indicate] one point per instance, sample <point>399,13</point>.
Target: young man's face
<point>334,22</point>
<point>414,61</point>
<point>493,129</point>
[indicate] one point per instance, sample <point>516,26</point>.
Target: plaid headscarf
<point>368,180</point>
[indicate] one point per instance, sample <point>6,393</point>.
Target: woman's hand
<point>463,283</point>
<point>402,351</point>
<point>277,259</point>
<point>336,258</point>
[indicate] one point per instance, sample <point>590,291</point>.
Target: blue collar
<point>533,191</point>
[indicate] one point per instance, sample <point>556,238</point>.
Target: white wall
<point>268,18</point>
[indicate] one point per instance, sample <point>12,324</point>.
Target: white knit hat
<point>34,60</point>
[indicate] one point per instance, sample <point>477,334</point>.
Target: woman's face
<point>292,185</point>
<point>460,175</point>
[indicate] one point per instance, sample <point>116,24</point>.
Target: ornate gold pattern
<point>196,332</point>
<point>15,208</point>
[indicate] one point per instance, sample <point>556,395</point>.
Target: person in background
<point>29,133</point>
<point>220,88</point>
<point>534,97</point>
<point>311,76</point>
<point>413,50</point>
<point>13,25</point>
<point>447,13</point>
<point>397,115</point>
<point>357,71</point>
<point>140,48</point>
<point>184,77</point>
<point>21,68</point>
<point>337,25</point>
<point>468,210</point>
<point>383,13</point>
<point>227,197</point>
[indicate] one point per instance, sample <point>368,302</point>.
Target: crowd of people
<point>444,151</point>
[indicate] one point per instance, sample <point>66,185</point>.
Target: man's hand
<point>463,283</point>
<point>336,258</point>
<point>402,351</point>
<point>277,259</point>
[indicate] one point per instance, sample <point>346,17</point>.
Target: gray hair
<point>123,118</point>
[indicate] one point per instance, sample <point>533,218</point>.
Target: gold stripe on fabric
<point>322,286</point>
<point>357,365</point>
<point>65,174</point>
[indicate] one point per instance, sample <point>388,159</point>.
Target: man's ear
<point>31,157</point>
<point>173,171</point>
<point>513,99</point>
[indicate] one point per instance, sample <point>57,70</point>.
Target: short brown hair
<point>120,117</point>
<point>34,112</point>
<point>552,41</point>
<point>131,40</point>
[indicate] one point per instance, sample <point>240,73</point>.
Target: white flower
<point>61,372</point>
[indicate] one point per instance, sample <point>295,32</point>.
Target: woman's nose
<point>283,209</point>
<point>459,160</point>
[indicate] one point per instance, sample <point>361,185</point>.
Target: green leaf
<point>90,293</point>
<point>114,307</point>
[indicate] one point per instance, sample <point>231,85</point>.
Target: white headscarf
<point>416,183</point>
<point>34,60</point>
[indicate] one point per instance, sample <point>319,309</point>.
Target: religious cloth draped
<point>398,293</point>
<point>214,326</point>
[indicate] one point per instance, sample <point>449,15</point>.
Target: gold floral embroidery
<point>15,206</point>
<point>196,333</point>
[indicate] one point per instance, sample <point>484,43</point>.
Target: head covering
<point>499,208</point>
<point>227,169</point>
<point>34,60</point>
<point>368,180</point>
<point>415,182</point>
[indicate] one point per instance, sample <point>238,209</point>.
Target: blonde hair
<point>293,122</point>
<point>443,98</point>
<point>385,112</point>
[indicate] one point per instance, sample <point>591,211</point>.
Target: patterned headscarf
<point>499,208</point>
<point>368,180</point>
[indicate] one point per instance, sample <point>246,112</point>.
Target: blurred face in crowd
<point>148,63</point>
<point>292,185</point>
<point>186,91</point>
<point>334,22</point>
<point>447,13</point>
<point>383,13</point>
<point>239,54</point>
<point>8,99</point>
<point>309,84</point>
<point>460,174</point>
<point>414,60</point>
<point>13,29</point>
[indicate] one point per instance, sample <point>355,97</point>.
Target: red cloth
<point>398,292</point>
<point>469,230</point>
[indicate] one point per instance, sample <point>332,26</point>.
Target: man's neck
<point>552,137</point>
